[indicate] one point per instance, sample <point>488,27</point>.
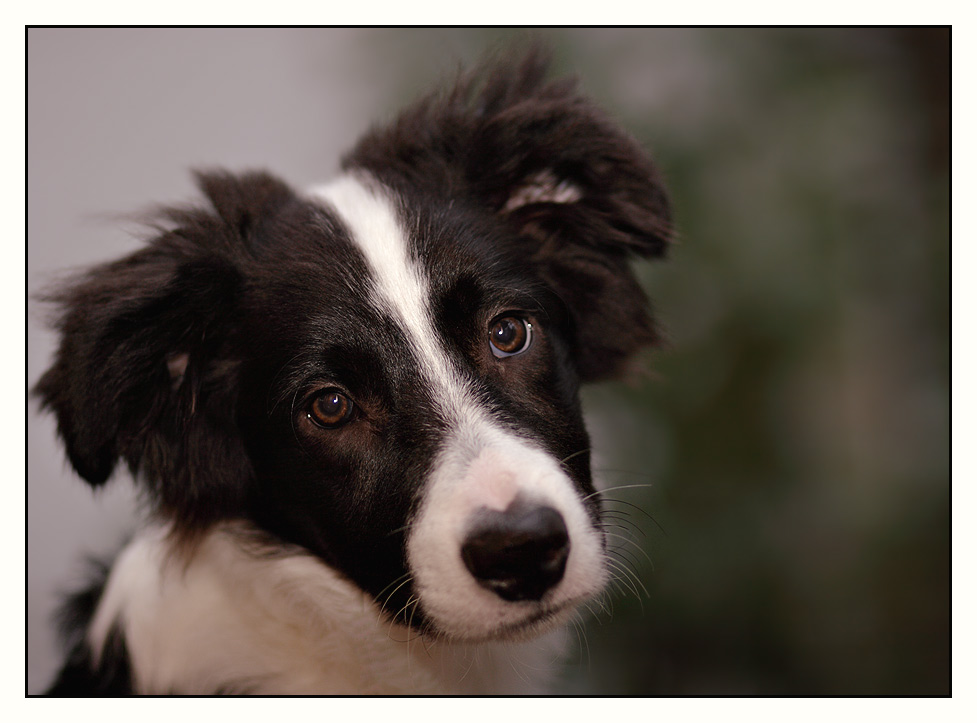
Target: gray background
<point>792,441</point>
<point>115,120</point>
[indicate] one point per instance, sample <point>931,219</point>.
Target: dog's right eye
<point>510,335</point>
<point>330,409</point>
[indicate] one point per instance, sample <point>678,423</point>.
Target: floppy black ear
<point>148,361</point>
<point>576,187</point>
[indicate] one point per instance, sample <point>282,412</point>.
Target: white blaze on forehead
<point>481,464</point>
<point>402,288</point>
<point>376,231</point>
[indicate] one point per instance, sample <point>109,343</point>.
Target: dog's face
<point>385,370</point>
<point>422,394</point>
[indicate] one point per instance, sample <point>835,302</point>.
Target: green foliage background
<point>792,441</point>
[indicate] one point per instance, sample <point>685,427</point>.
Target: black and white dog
<point>354,410</point>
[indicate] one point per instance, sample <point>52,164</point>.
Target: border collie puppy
<point>353,410</point>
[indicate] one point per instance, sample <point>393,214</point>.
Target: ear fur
<point>147,369</point>
<point>549,164</point>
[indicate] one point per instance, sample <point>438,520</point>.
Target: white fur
<point>481,464</point>
<point>233,619</point>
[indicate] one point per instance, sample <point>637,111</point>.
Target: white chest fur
<point>233,621</point>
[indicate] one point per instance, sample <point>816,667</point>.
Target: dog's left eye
<point>510,335</point>
<point>330,409</point>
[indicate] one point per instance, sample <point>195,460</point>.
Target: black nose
<point>519,553</point>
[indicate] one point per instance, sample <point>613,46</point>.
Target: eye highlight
<point>330,409</point>
<point>510,335</point>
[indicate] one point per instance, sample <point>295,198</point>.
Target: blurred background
<point>780,477</point>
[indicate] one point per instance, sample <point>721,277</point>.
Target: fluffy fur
<point>354,410</point>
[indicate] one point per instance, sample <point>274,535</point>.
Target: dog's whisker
<point>614,536</point>
<point>625,535</point>
<point>406,578</point>
<point>622,577</point>
<point>624,556</point>
<point>605,490</point>
<point>398,530</point>
<point>583,644</point>
<point>428,643</point>
<point>624,522</point>
<point>625,589</point>
<point>277,399</point>
<point>622,516</point>
<point>520,674</point>
<point>608,527</point>
<point>627,541</point>
<point>393,582</point>
<point>629,576</point>
<point>618,587</point>
<point>639,509</point>
<point>600,473</point>
<point>604,607</point>
<point>571,456</point>
<point>410,629</point>
<point>626,566</point>
<point>472,655</point>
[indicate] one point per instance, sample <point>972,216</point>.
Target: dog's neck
<point>234,620</point>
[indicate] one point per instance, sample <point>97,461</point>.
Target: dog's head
<point>385,370</point>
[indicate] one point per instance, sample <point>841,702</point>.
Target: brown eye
<point>330,409</point>
<point>510,335</point>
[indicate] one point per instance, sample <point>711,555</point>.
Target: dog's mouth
<point>536,618</point>
<point>536,622</point>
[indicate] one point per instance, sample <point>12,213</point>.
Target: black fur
<point>81,674</point>
<point>263,295</point>
<point>492,132</point>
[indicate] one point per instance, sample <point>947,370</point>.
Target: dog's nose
<point>518,553</point>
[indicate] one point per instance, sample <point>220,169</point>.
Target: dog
<point>353,411</point>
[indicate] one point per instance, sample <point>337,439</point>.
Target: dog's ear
<point>148,361</point>
<point>581,192</point>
